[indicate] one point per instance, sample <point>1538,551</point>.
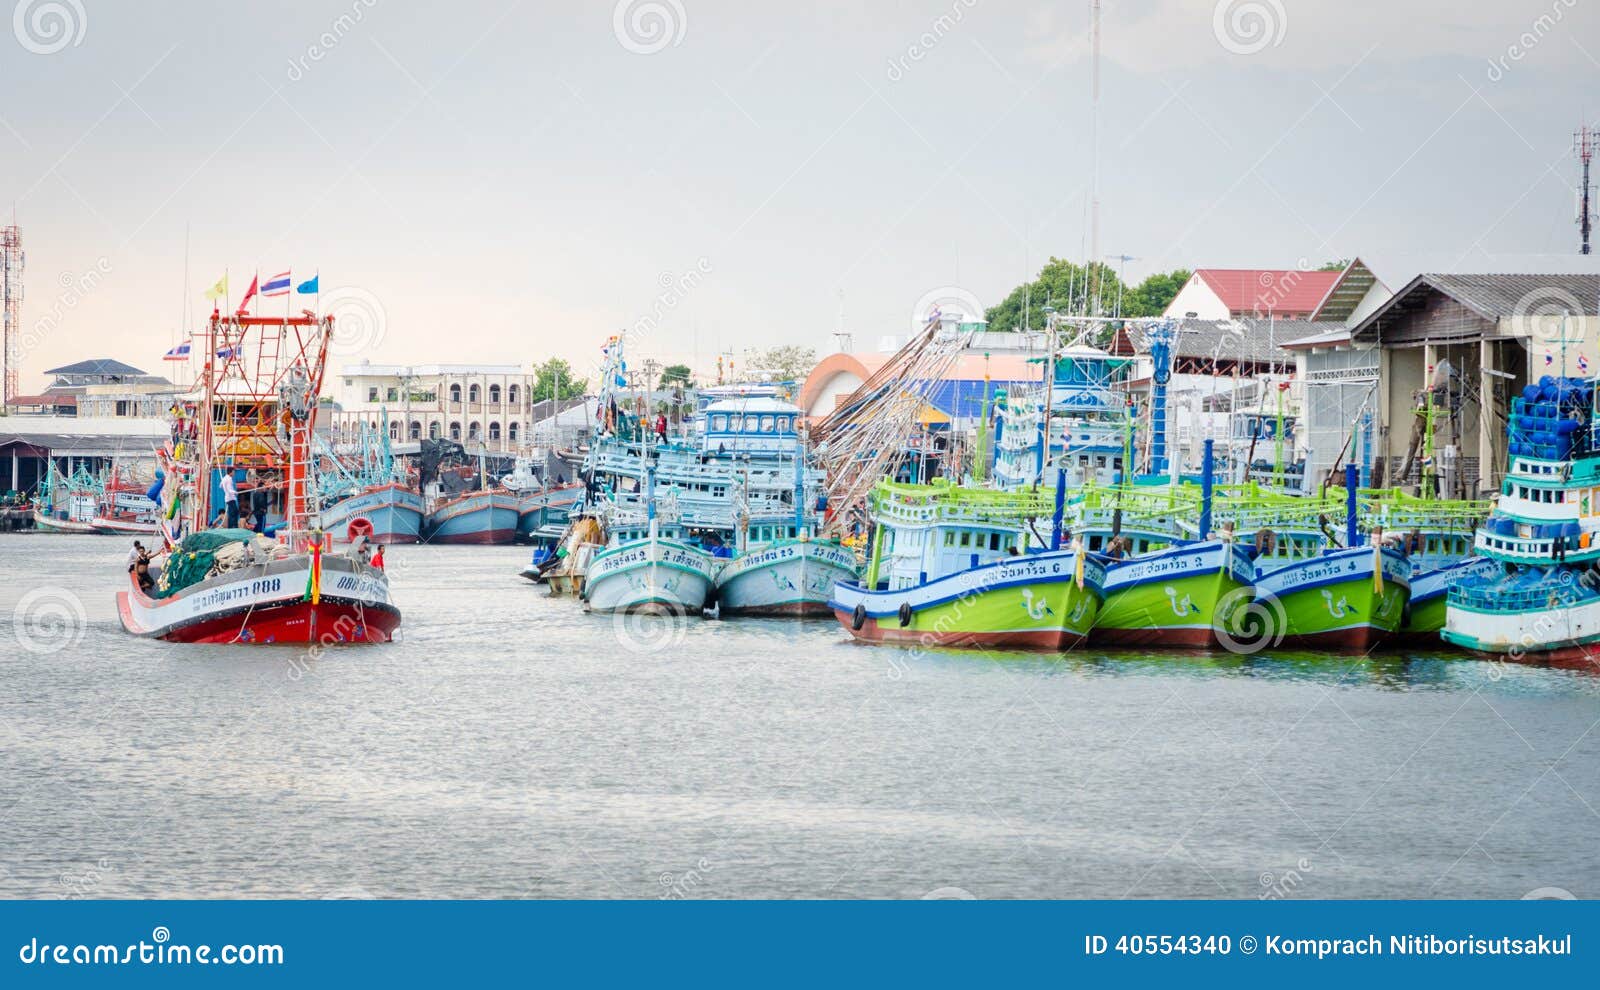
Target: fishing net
<point>208,552</point>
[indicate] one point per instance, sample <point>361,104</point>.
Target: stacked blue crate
<point>1549,420</point>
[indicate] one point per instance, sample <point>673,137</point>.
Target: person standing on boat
<point>230,497</point>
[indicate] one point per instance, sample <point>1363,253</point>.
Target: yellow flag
<point>219,290</point>
<point>1377,568</point>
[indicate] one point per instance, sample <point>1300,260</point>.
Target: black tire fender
<point>858,618</point>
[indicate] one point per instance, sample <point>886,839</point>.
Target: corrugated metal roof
<point>1246,338</point>
<point>1495,295</point>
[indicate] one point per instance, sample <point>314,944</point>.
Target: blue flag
<point>309,286</point>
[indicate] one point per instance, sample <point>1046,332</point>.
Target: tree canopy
<point>555,380</point>
<point>1065,285</point>
<point>676,374</point>
<point>785,364</point>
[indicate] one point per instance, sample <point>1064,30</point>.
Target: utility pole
<point>1583,143</point>
<point>12,261</point>
<point>1094,146</point>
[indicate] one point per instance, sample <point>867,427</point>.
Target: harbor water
<point>512,746</point>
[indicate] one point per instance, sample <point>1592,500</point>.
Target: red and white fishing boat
<point>253,410</point>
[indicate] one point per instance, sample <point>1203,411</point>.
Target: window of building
<point>455,395</point>
<point>494,431</point>
<point>513,395</point>
<point>433,431</point>
<point>494,394</point>
<point>473,429</point>
<point>455,432</point>
<point>394,429</point>
<point>511,431</point>
<point>372,393</point>
<point>416,429</point>
<point>474,394</point>
<point>394,395</point>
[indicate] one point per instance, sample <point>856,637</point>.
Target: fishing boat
<point>652,565</point>
<point>967,567</point>
<point>543,509</point>
<point>393,508</point>
<point>254,407</point>
<point>1540,601</point>
<point>476,517</point>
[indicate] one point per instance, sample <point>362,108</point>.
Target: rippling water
<point>512,746</point>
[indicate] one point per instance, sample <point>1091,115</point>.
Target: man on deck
<point>230,496</point>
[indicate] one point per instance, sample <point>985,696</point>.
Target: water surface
<point>512,746</point>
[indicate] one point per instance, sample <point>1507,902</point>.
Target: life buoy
<point>1266,541</point>
<point>905,614</point>
<point>858,618</point>
<point>359,526</point>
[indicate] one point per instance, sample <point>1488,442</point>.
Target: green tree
<point>1337,265</point>
<point>555,380</point>
<point>676,374</point>
<point>1065,286</point>
<point>786,364</point>
<point>1150,297</point>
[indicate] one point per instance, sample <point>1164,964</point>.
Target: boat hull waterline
<point>267,604</point>
<point>791,578</point>
<point>1179,597</point>
<point>1036,602</point>
<point>1334,601</point>
<point>395,512</point>
<point>652,576</point>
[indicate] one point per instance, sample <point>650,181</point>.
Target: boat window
<point>1094,542</point>
<point>966,539</point>
<point>949,539</point>
<point>736,423</point>
<point>994,541</point>
<point>766,424</point>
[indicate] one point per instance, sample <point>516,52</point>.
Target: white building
<point>479,405</point>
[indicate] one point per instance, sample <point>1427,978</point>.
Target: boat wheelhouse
<point>969,567</point>
<point>1540,601</point>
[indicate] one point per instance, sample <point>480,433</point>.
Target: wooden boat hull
<point>124,527</point>
<point>395,512</point>
<point>544,508</point>
<point>46,523</point>
<point>1430,592</point>
<point>477,518</point>
<point>650,576</point>
<point>1334,602</point>
<point>1035,602</point>
<point>265,604</point>
<point>1177,597</point>
<point>790,578</point>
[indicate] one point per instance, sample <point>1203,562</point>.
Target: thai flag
<point>1549,359</point>
<point>228,352</point>
<point>1583,364</point>
<point>277,285</point>
<point>179,353</point>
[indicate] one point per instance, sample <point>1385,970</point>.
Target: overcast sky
<point>499,182</point>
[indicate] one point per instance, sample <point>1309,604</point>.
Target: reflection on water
<point>512,746</point>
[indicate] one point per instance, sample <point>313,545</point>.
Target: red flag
<point>249,293</point>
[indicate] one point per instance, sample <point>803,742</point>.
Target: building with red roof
<point>1280,293</point>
